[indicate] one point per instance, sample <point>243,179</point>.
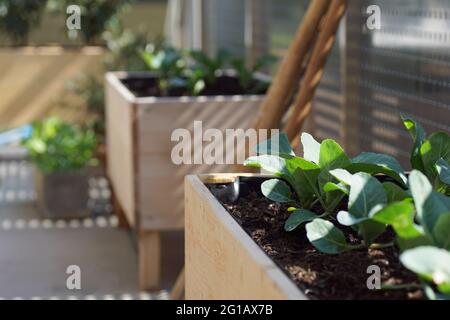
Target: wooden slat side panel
<point>160,181</point>
<point>222,262</point>
<point>119,113</point>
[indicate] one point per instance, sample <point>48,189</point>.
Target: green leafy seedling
<point>430,155</point>
<point>246,75</point>
<point>168,65</point>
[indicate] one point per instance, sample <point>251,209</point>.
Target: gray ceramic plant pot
<point>62,195</point>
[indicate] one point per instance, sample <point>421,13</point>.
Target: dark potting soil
<point>318,275</point>
<point>224,85</point>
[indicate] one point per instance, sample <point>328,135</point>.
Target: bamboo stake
<point>177,292</point>
<point>289,72</point>
<point>314,70</point>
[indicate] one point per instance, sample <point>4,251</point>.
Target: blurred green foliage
<point>204,69</point>
<point>194,70</point>
<point>90,89</point>
<point>56,146</point>
<point>123,55</point>
<point>167,64</point>
<point>95,15</point>
<point>18,17</point>
<point>123,45</point>
<point>246,74</point>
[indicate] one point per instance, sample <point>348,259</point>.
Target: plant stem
<point>334,204</point>
<point>381,245</point>
<point>358,246</point>
<point>322,203</point>
<point>401,286</point>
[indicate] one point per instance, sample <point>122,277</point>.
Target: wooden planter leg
<point>149,260</point>
<point>177,292</point>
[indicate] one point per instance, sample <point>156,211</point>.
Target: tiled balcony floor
<point>35,253</point>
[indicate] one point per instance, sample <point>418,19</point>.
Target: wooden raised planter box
<point>222,261</point>
<point>147,185</point>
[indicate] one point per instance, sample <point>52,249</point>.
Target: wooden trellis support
<point>314,71</point>
<point>290,71</point>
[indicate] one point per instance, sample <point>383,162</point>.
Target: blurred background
<point>372,73</point>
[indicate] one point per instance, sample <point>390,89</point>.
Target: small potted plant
<point>61,153</point>
<point>321,224</point>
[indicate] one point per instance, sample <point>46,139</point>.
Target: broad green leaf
<point>297,218</point>
<point>311,148</point>
<point>346,219</point>
<point>276,190</point>
<point>394,192</point>
<point>332,156</point>
<point>274,165</point>
<point>374,163</point>
<point>366,193</point>
<point>305,175</point>
<point>421,189</point>
<point>430,205</point>
<point>437,146</point>
<point>277,145</point>
<point>37,145</point>
<point>443,169</point>
<point>430,263</point>
<point>366,196</point>
<point>331,186</point>
<point>431,294</point>
<point>406,244</point>
<point>444,288</point>
<point>325,237</point>
<point>399,215</point>
<point>370,230</point>
<point>418,134</point>
<point>199,86</point>
<point>441,231</point>
<point>342,175</point>
<point>270,163</point>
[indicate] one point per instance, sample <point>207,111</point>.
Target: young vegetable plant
<point>371,206</point>
<point>319,186</point>
<point>168,65</point>
<point>246,75</point>
<point>428,251</point>
<point>205,70</point>
<point>430,155</point>
<point>420,218</point>
<point>432,211</point>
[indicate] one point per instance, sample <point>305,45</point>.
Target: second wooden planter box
<point>146,183</point>
<point>222,261</point>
